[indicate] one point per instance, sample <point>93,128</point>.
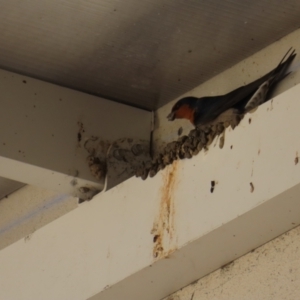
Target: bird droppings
<point>271,104</point>
<point>251,187</point>
<point>296,160</point>
<point>85,193</point>
<point>80,132</point>
<point>97,167</point>
<point>179,132</point>
<point>227,267</point>
<point>155,238</point>
<point>73,182</point>
<point>222,141</point>
<point>84,189</point>
<point>28,237</point>
<point>212,186</point>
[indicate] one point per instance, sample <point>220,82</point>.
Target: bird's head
<point>183,109</point>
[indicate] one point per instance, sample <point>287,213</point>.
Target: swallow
<point>205,110</point>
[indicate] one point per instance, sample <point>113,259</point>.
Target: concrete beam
<point>146,239</point>
<point>46,126</point>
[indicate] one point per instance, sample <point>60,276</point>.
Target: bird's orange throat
<point>185,112</point>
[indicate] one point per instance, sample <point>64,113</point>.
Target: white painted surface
<point>271,272</point>
<point>28,209</point>
<point>108,239</point>
<point>39,144</point>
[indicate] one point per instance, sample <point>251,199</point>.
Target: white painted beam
<point>105,249</point>
<point>28,209</point>
<point>44,127</point>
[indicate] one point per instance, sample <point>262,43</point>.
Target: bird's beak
<point>171,116</point>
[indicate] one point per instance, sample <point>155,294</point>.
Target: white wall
<point>270,272</point>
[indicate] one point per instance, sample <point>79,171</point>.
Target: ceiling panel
<point>143,53</point>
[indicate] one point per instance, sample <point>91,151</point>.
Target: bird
<point>206,110</point>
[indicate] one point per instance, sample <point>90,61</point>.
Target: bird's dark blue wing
<point>209,108</point>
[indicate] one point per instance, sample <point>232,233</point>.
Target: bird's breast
<point>186,112</point>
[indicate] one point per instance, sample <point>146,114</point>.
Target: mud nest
<point>186,146</point>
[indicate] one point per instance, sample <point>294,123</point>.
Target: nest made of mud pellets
<point>186,146</point>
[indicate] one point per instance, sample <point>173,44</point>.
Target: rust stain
<point>163,228</point>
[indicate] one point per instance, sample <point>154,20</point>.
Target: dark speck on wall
<point>78,136</point>
<point>180,131</point>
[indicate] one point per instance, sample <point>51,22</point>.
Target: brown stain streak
<point>163,228</point>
